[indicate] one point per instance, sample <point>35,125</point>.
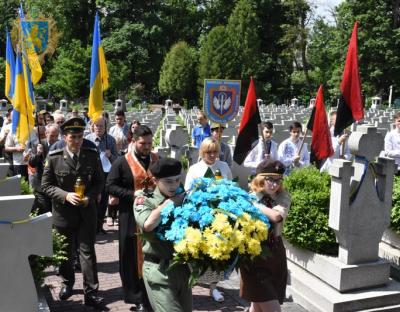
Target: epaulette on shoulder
<point>92,149</point>
<point>56,152</point>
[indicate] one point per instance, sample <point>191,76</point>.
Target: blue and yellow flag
<point>23,100</point>
<point>10,68</point>
<point>98,74</point>
<point>29,47</point>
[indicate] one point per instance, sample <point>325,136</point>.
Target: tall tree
<point>218,59</point>
<point>379,43</point>
<point>242,29</point>
<point>178,72</point>
<point>296,35</point>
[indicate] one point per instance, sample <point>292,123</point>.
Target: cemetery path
<point>110,286</point>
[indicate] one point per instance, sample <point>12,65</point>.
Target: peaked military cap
<point>73,125</point>
<point>166,167</point>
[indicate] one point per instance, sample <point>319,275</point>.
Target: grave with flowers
<point>360,203</point>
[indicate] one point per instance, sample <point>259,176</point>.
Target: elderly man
<point>106,146</point>
<point>74,214</point>
<point>36,160</point>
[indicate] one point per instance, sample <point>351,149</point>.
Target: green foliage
<point>395,214</point>
<point>217,57</point>
<point>39,264</point>
<point>69,77</point>
<point>25,187</point>
<point>242,29</point>
<point>178,73</point>
<point>157,135</point>
<point>307,223</point>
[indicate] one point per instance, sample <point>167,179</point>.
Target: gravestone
<point>11,185</point>
<point>361,198</point>
<point>21,236</point>
<point>63,105</point>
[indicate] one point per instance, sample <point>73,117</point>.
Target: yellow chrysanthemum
<point>254,247</point>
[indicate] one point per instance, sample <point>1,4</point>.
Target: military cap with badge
<point>73,125</point>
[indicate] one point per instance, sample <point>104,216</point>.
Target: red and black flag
<point>248,130</point>
<point>350,106</point>
<point>321,142</point>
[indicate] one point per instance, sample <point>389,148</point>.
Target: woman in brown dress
<point>263,282</point>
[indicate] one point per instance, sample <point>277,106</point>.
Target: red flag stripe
<point>321,142</point>
<point>351,85</point>
<point>250,106</point>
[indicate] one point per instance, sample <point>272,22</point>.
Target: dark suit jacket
<point>37,161</point>
<point>120,184</point>
<point>59,177</point>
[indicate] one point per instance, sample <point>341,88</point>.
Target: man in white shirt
<point>392,141</point>
<point>265,148</point>
<point>120,131</point>
<point>289,152</point>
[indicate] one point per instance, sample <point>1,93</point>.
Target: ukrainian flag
<point>98,74</point>
<point>10,68</point>
<point>33,58</point>
<point>23,100</point>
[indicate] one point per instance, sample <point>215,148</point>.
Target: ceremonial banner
<point>248,131</point>
<point>221,99</point>
<point>350,106</point>
<point>39,33</point>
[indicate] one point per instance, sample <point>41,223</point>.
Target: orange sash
<point>142,179</point>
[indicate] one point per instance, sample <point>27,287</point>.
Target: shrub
<point>307,223</point>
<point>395,214</point>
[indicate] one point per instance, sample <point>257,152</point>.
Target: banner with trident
<point>221,99</point>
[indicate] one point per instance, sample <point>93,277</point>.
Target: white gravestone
<point>63,105</point>
<point>11,185</point>
<point>21,236</point>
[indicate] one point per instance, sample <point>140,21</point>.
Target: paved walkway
<point>110,286</point>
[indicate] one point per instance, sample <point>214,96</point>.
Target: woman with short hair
<point>209,152</point>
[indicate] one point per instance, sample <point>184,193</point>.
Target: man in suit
<point>75,216</point>
<point>36,160</point>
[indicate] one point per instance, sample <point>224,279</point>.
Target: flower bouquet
<point>216,227</point>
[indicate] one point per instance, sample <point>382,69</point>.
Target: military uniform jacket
<point>59,177</point>
<point>145,203</point>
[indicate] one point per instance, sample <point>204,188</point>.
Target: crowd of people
<point>88,173</point>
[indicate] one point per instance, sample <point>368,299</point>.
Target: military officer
<point>168,290</point>
<point>74,215</point>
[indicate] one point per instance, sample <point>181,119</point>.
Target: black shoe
<point>140,307</point>
<point>65,292</point>
<point>94,301</point>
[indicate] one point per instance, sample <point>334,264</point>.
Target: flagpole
<point>302,142</point>
<point>23,53</point>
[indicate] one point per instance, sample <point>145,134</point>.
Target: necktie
<point>75,159</point>
<point>268,147</point>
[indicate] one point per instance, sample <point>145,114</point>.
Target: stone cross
<point>21,236</point>
<point>361,197</point>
